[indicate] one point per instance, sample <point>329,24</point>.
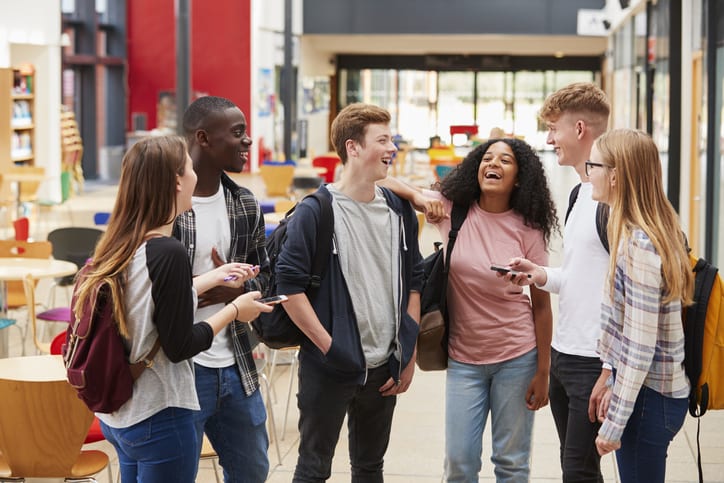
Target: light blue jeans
<point>473,391</point>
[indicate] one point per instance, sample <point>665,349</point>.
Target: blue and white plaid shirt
<point>642,337</point>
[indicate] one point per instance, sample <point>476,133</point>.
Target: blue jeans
<point>473,391</point>
<point>653,424</point>
<point>323,403</point>
<point>159,449</point>
<point>571,382</point>
<point>234,423</point>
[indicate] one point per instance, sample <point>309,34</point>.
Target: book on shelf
<point>21,114</point>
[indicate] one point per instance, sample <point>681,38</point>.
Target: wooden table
<point>15,269</point>
<point>33,368</point>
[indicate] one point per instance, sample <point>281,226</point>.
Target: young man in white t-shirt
<point>576,115</point>
<point>226,224</point>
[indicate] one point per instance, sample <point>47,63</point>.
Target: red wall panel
<point>220,46</point>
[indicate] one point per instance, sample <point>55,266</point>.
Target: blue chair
<point>101,218</point>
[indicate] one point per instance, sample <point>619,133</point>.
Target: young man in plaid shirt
<point>226,224</point>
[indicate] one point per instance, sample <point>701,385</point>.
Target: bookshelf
<point>17,120</point>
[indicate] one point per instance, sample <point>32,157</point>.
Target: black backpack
<point>275,328</point>
<point>602,212</point>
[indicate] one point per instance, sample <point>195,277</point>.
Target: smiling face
<point>564,136</point>
<point>374,155</point>
<point>601,177</point>
<point>228,140</point>
<point>498,171</point>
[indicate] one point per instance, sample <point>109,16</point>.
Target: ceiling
<point>415,44</point>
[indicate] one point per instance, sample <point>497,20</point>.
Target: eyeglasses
<point>590,163</point>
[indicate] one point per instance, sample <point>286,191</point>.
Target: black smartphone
<point>505,270</point>
<point>276,299</point>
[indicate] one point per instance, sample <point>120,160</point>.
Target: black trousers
<point>571,382</point>
<point>323,403</point>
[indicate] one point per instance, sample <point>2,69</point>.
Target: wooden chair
<point>95,433</point>
<point>277,178</point>
<point>29,285</point>
<point>6,202</point>
<point>282,206</point>
<point>72,150</point>
<point>16,290</point>
<point>15,248</point>
<point>43,424</point>
<point>29,189</point>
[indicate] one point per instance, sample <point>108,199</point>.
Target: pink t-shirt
<point>491,320</point>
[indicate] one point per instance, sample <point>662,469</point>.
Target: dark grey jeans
<point>572,380</point>
<point>323,402</point>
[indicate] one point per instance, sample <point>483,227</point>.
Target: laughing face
<point>376,153</point>
<point>229,140</point>
<point>498,171</point>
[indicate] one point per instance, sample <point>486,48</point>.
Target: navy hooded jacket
<point>333,305</point>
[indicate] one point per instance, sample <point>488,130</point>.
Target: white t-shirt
<point>579,280</point>
<point>212,230</point>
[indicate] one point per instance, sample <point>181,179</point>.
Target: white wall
<point>30,32</point>
<point>267,53</point>
<point>316,64</point>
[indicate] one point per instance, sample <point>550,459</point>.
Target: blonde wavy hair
<point>146,200</point>
<point>638,201</point>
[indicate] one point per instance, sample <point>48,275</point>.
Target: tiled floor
<point>416,449</point>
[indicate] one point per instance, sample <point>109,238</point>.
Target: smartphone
<point>505,270</point>
<point>277,299</point>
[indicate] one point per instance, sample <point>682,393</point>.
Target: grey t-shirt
<point>367,237</point>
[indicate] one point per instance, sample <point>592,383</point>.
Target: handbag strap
<point>459,213</point>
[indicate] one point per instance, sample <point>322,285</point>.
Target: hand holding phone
<point>276,299</point>
<point>506,270</point>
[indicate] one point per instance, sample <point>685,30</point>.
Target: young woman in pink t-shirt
<point>499,340</point>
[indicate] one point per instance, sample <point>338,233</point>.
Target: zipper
<point>399,291</point>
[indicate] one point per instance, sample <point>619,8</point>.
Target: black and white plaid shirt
<point>248,245</point>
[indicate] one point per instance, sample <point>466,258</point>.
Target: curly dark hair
<point>531,198</point>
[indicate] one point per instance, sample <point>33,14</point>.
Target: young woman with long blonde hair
<point>649,283</point>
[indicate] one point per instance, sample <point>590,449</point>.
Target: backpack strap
<point>602,213</point>
<point>457,217</point>
<point>138,367</point>
<point>572,197</point>
<point>325,232</point>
